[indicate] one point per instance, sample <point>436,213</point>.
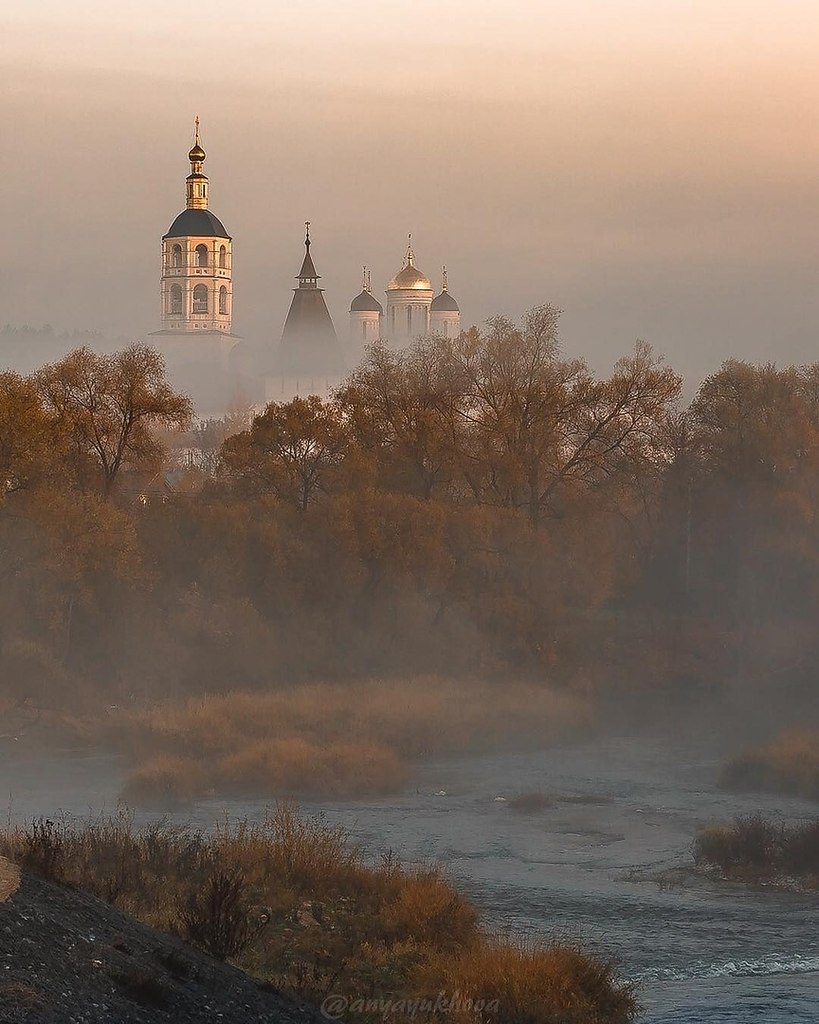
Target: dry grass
<point>319,919</point>
<point>788,764</point>
<point>9,879</point>
<point>295,766</point>
<point>323,740</point>
<point>165,782</point>
<point>509,982</point>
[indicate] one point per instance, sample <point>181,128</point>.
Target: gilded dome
<point>197,154</point>
<point>410,277</point>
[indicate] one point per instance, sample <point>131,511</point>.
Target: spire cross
<point>196,136</point>
<point>307,236</point>
<point>445,285</point>
<point>410,253</point>
<point>364,279</point>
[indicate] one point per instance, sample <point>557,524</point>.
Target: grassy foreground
<point>321,740</point>
<point>789,764</point>
<point>292,902</point>
<point>753,849</point>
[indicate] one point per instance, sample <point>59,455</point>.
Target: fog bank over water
<point>654,176</point>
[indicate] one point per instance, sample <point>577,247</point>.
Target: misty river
<point>700,950</point>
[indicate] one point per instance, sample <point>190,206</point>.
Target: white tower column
<point>197,262</point>
<point>366,313</point>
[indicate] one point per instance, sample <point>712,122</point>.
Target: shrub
<point>43,849</point>
<point>217,916</point>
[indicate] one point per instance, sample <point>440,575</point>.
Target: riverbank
<point>68,958</point>
<point>292,902</point>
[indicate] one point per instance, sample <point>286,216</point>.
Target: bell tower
<point>197,261</point>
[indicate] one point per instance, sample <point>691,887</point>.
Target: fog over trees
<point>473,507</point>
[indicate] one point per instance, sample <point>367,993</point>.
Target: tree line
<point>482,505</point>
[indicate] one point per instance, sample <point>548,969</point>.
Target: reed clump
<point>754,849</point>
<point>322,740</point>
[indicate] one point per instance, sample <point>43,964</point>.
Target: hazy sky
<point>650,166</point>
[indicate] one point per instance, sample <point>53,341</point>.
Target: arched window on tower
<point>200,299</point>
<point>223,301</point>
<point>175,300</point>
<point>176,256</point>
<point>201,255</point>
<point>222,257</point>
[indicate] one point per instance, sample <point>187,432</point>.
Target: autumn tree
<point>30,440</point>
<point>405,408</point>
<point>293,450</point>
<point>111,406</point>
<point>755,539</point>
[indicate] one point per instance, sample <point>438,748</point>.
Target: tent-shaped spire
<point>307,276</point>
<point>309,344</point>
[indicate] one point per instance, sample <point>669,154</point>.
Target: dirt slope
<point>67,958</point>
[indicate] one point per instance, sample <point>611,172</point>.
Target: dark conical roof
<point>309,343</point>
<point>308,269</point>
<point>366,302</point>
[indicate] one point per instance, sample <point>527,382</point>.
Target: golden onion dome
<point>197,154</point>
<point>410,277</point>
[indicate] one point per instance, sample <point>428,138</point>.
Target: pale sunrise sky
<point>650,167</point>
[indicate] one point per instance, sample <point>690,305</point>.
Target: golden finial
<point>410,254</point>
<point>307,235</point>
<point>369,280</point>
<point>445,283</point>
<point>364,279</point>
<point>197,154</point>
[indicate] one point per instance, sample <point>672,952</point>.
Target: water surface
<point>701,951</point>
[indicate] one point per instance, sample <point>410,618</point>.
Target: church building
<point>413,310</point>
<point>196,289</point>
